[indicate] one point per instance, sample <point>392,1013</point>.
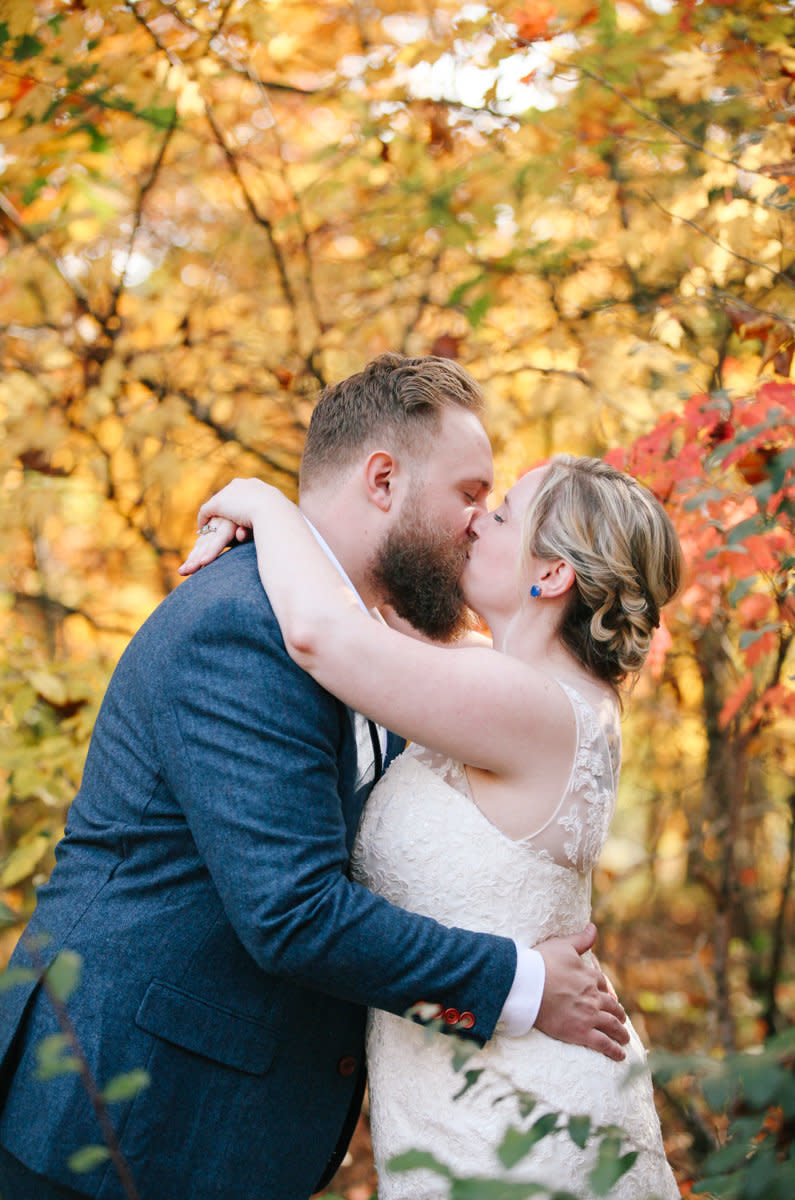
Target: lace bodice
<point>425,845</point>
<point>574,826</point>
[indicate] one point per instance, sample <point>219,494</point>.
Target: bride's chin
<point>471,602</point>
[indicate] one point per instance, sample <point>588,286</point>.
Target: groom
<point>203,873</point>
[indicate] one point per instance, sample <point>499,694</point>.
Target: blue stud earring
<point>535,590</point>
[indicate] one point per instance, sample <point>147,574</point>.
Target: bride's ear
<point>557,579</point>
<point>380,471</point>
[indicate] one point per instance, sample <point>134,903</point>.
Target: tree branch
<point>734,253</point>
<point>780,926</point>
<point>54,261</point>
<point>144,190</point>
<point>682,138</point>
<point>225,433</point>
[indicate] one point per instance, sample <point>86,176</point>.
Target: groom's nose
<point>476,523</point>
<point>479,511</point>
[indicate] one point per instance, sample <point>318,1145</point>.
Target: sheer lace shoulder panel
<point>576,832</point>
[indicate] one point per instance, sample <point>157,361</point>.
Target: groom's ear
<point>380,472</point>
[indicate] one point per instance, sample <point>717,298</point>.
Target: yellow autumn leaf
<point>18,15</point>
<point>689,74</point>
<point>23,859</point>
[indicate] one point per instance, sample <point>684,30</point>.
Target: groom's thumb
<point>583,941</point>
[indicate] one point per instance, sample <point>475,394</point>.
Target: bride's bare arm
<point>436,696</point>
<point>471,703</point>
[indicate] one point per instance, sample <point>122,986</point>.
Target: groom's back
<point>152,867</point>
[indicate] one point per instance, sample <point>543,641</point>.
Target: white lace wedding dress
<point>424,845</point>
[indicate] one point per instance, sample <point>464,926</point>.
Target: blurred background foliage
<point>208,210</point>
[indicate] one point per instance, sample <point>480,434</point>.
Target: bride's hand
<point>225,517</point>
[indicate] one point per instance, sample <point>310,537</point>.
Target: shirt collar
<point>321,541</point>
<point>333,559</point>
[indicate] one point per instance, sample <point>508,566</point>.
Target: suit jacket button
<point>451,1016</point>
<point>466,1020</point>
<point>347,1065</point>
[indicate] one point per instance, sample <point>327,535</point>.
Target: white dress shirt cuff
<point>524,999</point>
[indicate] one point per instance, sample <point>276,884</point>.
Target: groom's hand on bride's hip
<point>578,1004</point>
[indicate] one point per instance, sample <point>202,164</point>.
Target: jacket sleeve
<point>250,748</point>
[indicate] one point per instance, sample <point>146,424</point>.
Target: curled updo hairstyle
<point>625,554</point>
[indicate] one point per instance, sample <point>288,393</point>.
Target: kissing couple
<point>240,904</point>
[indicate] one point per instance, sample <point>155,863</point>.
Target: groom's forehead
<point>459,450</point>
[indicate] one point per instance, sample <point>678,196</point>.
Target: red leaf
<point>735,701</point>
<point>446,345</point>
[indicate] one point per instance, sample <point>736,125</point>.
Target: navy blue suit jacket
<point>203,880</point>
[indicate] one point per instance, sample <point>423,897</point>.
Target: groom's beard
<point>418,570</point>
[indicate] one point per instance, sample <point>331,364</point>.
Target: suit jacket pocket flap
<point>205,1028</point>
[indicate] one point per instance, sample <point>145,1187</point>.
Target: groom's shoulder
<point>228,588</point>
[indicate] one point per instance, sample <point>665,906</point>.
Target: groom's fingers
<point>209,545</point>
<point>611,1020</point>
<point>605,1044</point>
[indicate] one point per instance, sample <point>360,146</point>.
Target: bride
<point>496,814</point>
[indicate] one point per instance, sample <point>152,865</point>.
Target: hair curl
<point>625,554</point>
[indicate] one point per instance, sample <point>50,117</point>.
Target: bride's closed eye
<point>498,518</point>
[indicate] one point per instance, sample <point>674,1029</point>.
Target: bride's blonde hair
<point>625,554</point>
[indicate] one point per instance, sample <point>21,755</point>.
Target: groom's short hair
<point>394,399</point>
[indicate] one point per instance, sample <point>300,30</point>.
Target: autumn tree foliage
<point>210,208</point>
<point>725,468</point>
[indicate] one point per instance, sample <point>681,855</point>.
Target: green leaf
<point>579,1130</point>
<point>719,1090</point>
<point>13,976</point>
<point>762,1083</point>
<point>719,1187</point>
<point>517,1143</point>
<point>86,1158</point>
<point>161,118</point>
<point>463,1049</point>
<point>52,1058</point>
<point>749,636</point>
<point>63,974</point>
<point>728,1157</point>
<point>8,917</point>
<point>100,144</point>
<point>458,293</point>
<point>478,309</point>
<point>125,1086</point>
<point>611,1165</point>
<point>741,589</point>
<point>471,1078</point>
<point>526,1103</point>
<point>412,1160</point>
<point>27,47</point>
<point>787,1098</point>
<point>744,529</point>
<point>760,1174</point>
<point>494,1189</point>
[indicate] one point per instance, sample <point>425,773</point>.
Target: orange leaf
<point>754,608</point>
<point>762,646</point>
<point>735,702</point>
<point>533,20</point>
